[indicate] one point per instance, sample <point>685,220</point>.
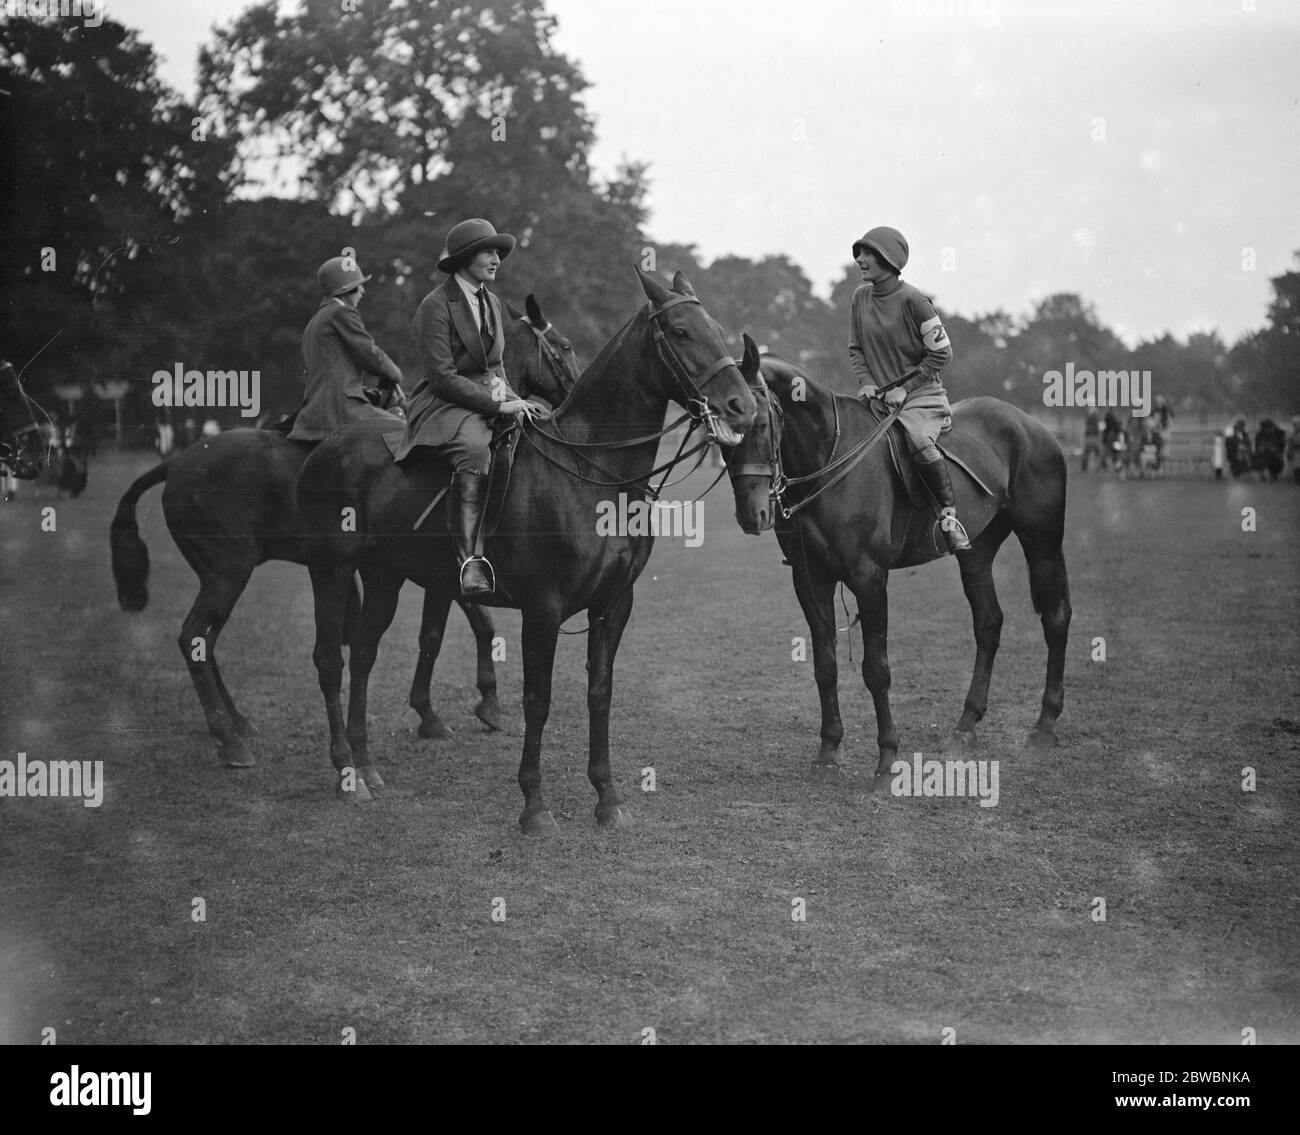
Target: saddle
<point>505,440</point>
<point>969,453</point>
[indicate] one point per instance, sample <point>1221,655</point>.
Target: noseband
<point>772,467</point>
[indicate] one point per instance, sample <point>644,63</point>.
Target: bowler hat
<point>889,244</point>
<point>338,275</point>
<point>470,237</point>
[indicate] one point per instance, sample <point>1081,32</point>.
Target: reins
<point>700,414</point>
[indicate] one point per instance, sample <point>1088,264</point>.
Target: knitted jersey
<point>894,327</point>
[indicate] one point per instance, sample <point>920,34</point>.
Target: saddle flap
<point>505,440</point>
<point>968,453</point>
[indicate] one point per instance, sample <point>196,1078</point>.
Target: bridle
<point>690,389</point>
<point>691,395</point>
<point>773,468</point>
<point>546,353</point>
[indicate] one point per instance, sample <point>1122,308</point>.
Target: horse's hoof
<point>881,785</point>
<point>370,775</point>
<point>616,817</point>
<point>539,823</point>
<point>432,729</point>
<point>234,754</point>
<point>357,793</point>
<point>245,728</point>
<point>488,711</point>
<point>962,739</point>
<point>1041,739</point>
<point>825,770</point>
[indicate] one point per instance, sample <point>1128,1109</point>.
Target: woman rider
<point>895,328</point>
<point>461,340</point>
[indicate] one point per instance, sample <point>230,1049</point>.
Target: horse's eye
<point>681,333</point>
<point>568,347</point>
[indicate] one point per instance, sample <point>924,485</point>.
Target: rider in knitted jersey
<point>895,329</point>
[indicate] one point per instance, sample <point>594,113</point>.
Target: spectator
<point>166,433</point>
<point>1270,447</point>
<point>1164,415</point>
<point>1293,448</point>
<point>1237,442</point>
<point>1092,439</point>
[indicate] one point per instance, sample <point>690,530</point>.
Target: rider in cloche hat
<point>338,350</point>
<point>461,339</point>
<point>894,329</point>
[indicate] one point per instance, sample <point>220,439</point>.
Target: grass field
<point>921,914</point>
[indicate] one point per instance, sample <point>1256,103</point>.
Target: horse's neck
<point>611,402</point>
<point>808,431</point>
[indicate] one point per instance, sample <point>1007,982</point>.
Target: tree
<point>378,101</point>
<point>86,207</point>
<point>411,118</point>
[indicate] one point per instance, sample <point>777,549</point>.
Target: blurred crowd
<point>1135,447</point>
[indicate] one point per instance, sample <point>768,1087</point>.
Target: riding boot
<point>934,474</point>
<point>468,499</point>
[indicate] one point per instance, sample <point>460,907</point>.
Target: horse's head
<point>697,372</point>
<point>539,361</point>
<point>754,465</point>
<point>22,449</point>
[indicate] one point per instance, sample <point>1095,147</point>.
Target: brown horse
<point>857,528</point>
<point>550,558</point>
<point>231,504</point>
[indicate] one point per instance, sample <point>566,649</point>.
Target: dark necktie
<point>484,327</point>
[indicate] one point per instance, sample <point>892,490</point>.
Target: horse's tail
<point>130,556</point>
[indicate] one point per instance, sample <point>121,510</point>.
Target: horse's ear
<point>514,312</point>
<point>681,285</point>
<point>535,315</point>
<point>749,363</point>
<point>655,292</point>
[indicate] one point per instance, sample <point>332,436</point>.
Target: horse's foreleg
<point>198,641</point>
<point>606,631</point>
<point>816,593</point>
<point>382,590</point>
<point>433,622</point>
<point>540,632</point>
<point>1050,590</point>
<point>873,611</point>
<point>330,586</point>
<point>488,709</point>
<point>986,617</point>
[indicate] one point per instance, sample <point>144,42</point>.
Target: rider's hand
<point>520,406</point>
<point>537,411</point>
<point>866,390</point>
<point>895,397</point>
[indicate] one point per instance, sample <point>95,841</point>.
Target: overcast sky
<point>1131,151</point>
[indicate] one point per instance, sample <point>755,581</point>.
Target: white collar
<point>468,287</point>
